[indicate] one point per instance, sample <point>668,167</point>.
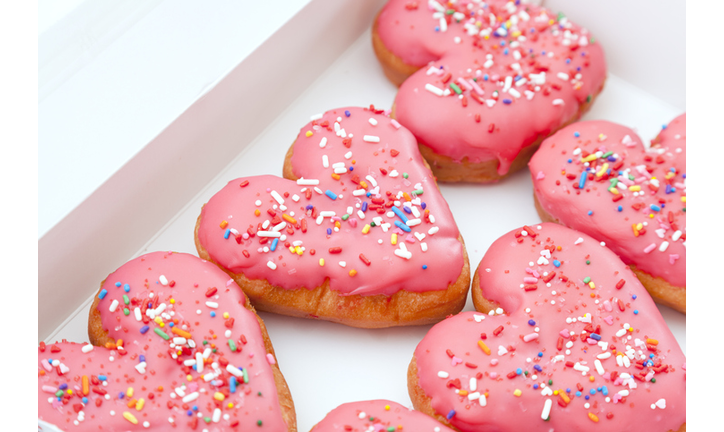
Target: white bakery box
<point>146,109</point>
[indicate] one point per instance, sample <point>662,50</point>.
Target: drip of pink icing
<point>560,198</point>
<point>554,311</point>
<point>192,279</point>
<point>393,164</point>
<point>377,415</point>
<point>459,126</point>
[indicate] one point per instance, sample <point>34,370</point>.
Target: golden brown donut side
<point>99,336</point>
<point>377,311</point>
<point>394,68</point>
<point>660,290</point>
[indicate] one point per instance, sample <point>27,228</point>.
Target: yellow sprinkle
<point>172,301</point>
<point>321,262</point>
<point>651,215</point>
<point>223,224</point>
<point>683,199</point>
<point>630,329</point>
<point>288,218</point>
<point>387,407</point>
<point>393,239</point>
<point>219,396</point>
<point>291,249</point>
<point>602,137</point>
<point>634,188</point>
<point>139,405</point>
<point>613,190</point>
<point>555,393</point>
<point>352,272</point>
<point>517,392</point>
<point>226,315</point>
<point>189,377</point>
<point>70,392</point>
<point>128,416</point>
<point>257,212</point>
<point>602,171</point>
<point>230,405</point>
<point>593,417</point>
<point>516,33</point>
<point>129,392</point>
<point>158,320</point>
<point>592,285</point>
<point>366,229</point>
<point>162,325</point>
<point>309,133</point>
<point>589,158</point>
<point>639,226</point>
<point>484,347</point>
<point>299,250</point>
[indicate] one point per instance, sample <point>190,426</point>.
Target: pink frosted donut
<point>483,83</point>
<point>357,232</point>
<point>567,339</point>
<point>378,416</point>
<point>599,178</point>
<point>177,345</point>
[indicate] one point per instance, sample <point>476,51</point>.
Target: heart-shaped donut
<point>599,178</point>
<point>357,233</point>
<point>568,340</point>
<point>176,345</point>
<point>485,82</point>
<point>377,416</point>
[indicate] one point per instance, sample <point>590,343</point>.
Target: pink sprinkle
<point>352,222</point>
<point>530,337</point>
<point>464,84</point>
<point>50,389</point>
<point>673,258</point>
<point>229,282</point>
<point>650,247</point>
<point>532,272</point>
<point>616,398</point>
<point>683,366</point>
<point>46,365</point>
<point>540,175</point>
<point>477,88</point>
<point>493,362</point>
<point>456,360</point>
<point>565,333</point>
<point>395,123</point>
<point>409,238</point>
<point>529,279</point>
<point>192,386</point>
<point>493,375</point>
<point>591,341</point>
<point>607,306</point>
<point>56,403</point>
<point>270,359</point>
<point>649,375</point>
<point>608,320</point>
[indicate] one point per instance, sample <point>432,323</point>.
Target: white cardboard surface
<point>327,364</point>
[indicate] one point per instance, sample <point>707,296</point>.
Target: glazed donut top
<point>365,213</point>
<point>576,341</point>
<point>187,352</point>
<point>599,178</point>
<point>377,416</point>
<point>496,76</point>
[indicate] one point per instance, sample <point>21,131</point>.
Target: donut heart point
<point>357,233</point>
<point>576,343</point>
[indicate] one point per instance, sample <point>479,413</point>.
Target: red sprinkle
<point>498,330</point>
<point>211,291</point>
<point>335,250</point>
<point>620,284</point>
<point>244,183</point>
<point>364,259</point>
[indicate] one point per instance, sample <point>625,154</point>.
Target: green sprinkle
<point>232,345</point>
<point>161,333</point>
<point>455,88</point>
<point>59,393</point>
<point>588,261</point>
<point>207,419</point>
<point>126,311</point>
<point>550,382</point>
<point>205,342</point>
<point>404,175</point>
<point>417,192</point>
<point>372,224</point>
<point>391,429</point>
<point>449,11</point>
<point>345,217</point>
<point>586,280</point>
<point>526,373</point>
<point>560,16</point>
<point>258,422</point>
<point>126,300</point>
<point>246,376</point>
<point>607,154</point>
<point>653,380</point>
<point>588,99</point>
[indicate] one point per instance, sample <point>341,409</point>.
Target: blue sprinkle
<point>636,312</point>
<point>364,206</point>
<point>102,294</point>
<point>424,266</point>
<point>651,356</point>
<point>538,368</point>
<point>587,397</point>
<point>193,367</point>
<point>144,329</point>
<point>535,386</point>
<point>85,400</point>
<point>502,43</point>
<point>402,226</point>
<point>437,29</point>
<point>570,160</point>
<point>518,371</point>
<point>578,394</point>
<point>368,194</point>
<point>189,413</point>
<point>126,287</point>
<point>556,263</point>
<point>195,408</point>
<point>542,53</point>
<point>274,244</point>
<point>576,134</point>
<point>663,126</point>
<point>63,386</point>
<point>590,212</point>
<point>611,158</point>
<point>578,69</point>
<point>540,354</point>
<point>568,61</point>
<point>142,358</point>
<point>227,233</point>
<point>118,284</point>
<point>213,314</point>
<point>595,336</point>
<point>121,395</point>
<point>507,101</point>
<point>505,51</point>
<point>568,390</point>
<point>309,207</point>
<point>347,113</point>
<point>331,195</point>
<point>620,209</point>
<point>633,296</point>
<point>450,414</point>
<point>102,377</point>
<point>582,180</point>
<point>329,231</point>
<point>655,208</point>
<point>593,391</point>
<point>531,322</point>
<point>407,210</point>
<point>399,213</point>
<point>604,390</point>
<point>232,384</point>
<point>485,77</point>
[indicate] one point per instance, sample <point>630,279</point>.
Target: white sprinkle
<point>558,102</point>
<point>325,161</point>
<point>307,182</point>
<point>423,246</point>
<point>413,222</point>
<point>163,280</point>
<point>371,139</point>
<point>373,122</point>
<point>443,374</point>
<point>216,416</point>
<point>599,367</point>
<point>579,241</point>
<point>87,348</point>
<point>546,409</point>
<point>271,265</point>
<point>664,246</point>
<point>268,234</point>
<point>277,197</point>
<point>676,236</point>
<point>113,306</point>
<point>433,230</point>
<point>562,75</point>
<point>343,264</point>
<point>190,397</point>
<point>212,305</point>
<point>434,90</point>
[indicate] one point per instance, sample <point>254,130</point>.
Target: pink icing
<point>464,125</point>
<point>558,311</point>
<point>658,249</point>
<point>189,281</point>
<point>377,416</point>
<point>387,162</point>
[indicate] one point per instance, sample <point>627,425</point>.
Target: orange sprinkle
<point>257,212</point>
<point>86,385</point>
<point>180,332</point>
<point>223,224</point>
<point>335,176</point>
<point>119,343</point>
<point>652,341</point>
<point>353,272</point>
<point>484,347</point>
<point>593,417</point>
<point>288,218</point>
<point>132,403</point>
